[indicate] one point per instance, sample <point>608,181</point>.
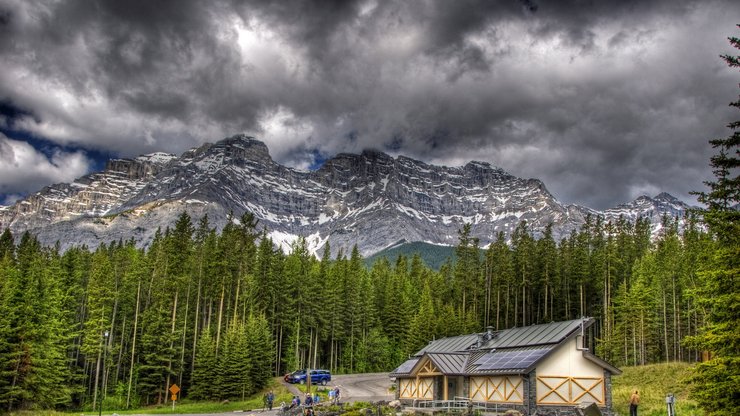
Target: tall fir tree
<point>717,380</point>
<point>201,382</point>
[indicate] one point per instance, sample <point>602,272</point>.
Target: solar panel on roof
<point>406,367</point>
<point>502,360</point>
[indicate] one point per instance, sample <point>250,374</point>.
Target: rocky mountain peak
<point>661,198</point>
<point>140,167</point>
<point>238,149</point>
<point>369,199</point>
<point>666,197</point>
<point>373,155</point>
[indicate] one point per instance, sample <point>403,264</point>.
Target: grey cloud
<point>15,175</point>
<point>594,98</point>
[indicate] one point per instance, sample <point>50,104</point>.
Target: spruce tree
<point>233,366</point>
<point>717,381</point>
<point>7,245</point>
<point>11,291</point>
<point>259,349</point>
<point>203,375</point>
<point>423,325</point>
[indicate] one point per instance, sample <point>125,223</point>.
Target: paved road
<point>359,387</point>
<point>364,387</point>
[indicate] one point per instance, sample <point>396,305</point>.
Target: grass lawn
<point>184,406</point>
<point>654,382</point>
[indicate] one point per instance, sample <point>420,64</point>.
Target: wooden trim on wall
<point>425,389</point>
<point>407,387</point>
<point>549,390</point>
<point>490,387</point>
<point>416,388</point>
<point>428,369</point>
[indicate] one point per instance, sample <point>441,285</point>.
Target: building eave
<point>614,370</point>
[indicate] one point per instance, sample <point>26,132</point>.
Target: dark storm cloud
<point>601,100</point>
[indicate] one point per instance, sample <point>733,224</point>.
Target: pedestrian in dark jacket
<point>270,399</point>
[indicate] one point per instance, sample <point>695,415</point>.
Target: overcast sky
<point>602,100</point>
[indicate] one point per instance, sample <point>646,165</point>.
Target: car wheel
<point>303,381</point>
<point>323,382</point>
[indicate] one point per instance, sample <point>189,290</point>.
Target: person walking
<point>296,402</point>
<point>270,399</point>
<point>308,405</point>
<point>634,402</point>
<point>336,395</point>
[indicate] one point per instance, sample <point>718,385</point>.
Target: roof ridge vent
<point>483,337</point>
<point>490,333</point>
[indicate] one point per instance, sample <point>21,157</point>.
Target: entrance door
<point>451,388</point>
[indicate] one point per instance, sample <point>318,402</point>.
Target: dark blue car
<point>322,377</point>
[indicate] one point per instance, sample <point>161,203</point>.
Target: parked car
<point>322,377</point>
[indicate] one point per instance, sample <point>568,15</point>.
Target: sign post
<point>308,381</point>
<point>174,390</point>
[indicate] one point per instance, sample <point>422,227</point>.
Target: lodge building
<point>543,368</point>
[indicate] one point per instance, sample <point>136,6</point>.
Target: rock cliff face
<point>370,199</point>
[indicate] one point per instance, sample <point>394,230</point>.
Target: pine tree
<point>499,288</point>
<point>641,313</point>
<point>156,354</point>
<point>202,379</point>
<point>51,375</point>
<point>717,381</point>
<point>523,260</point>
<point>467,273</point>
<point>11,287</point>
<point>546,259</point>
<point>423,325</point>
<point>7,245</point>
<point>233,366</point>
<point>259,349</point>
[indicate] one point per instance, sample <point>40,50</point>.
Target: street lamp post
<point>102,379</point>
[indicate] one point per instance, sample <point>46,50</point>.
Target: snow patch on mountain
<point>372,200</point>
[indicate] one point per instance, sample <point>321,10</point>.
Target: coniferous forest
<point>220,313</point>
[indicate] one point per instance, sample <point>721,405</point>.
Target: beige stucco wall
<point>568,361</point>
<point>567,377</point>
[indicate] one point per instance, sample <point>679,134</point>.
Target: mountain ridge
<point>370,199</point>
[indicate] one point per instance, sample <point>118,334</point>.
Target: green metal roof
<point>509,351</point>
<point>527,336</point>
<point>450,344</point>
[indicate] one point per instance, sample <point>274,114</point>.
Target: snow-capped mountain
<point>371,199</point>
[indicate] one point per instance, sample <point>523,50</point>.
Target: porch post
<point>446,392</point>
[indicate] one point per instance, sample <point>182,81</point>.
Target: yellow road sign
<point>174,390</point>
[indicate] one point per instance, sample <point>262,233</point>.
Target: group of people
<point>334,395</point>
<point>308,402</point>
